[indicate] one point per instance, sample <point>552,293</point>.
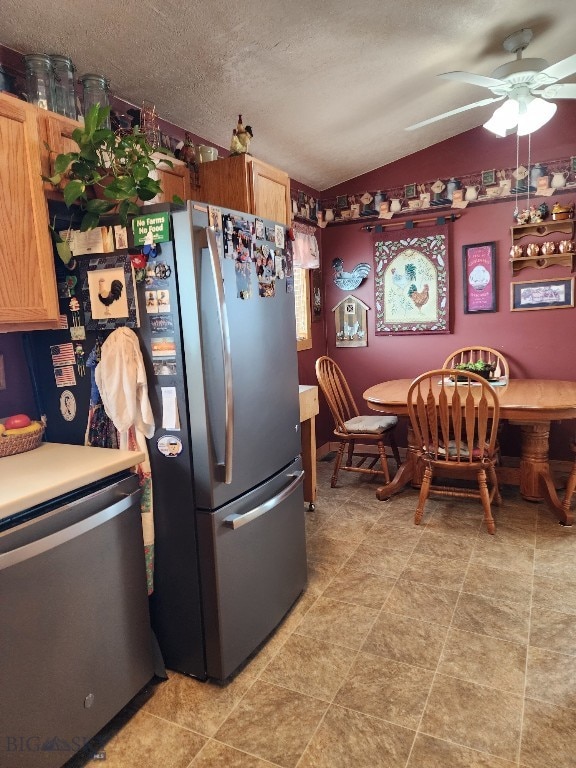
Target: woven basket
<point>13,444</point>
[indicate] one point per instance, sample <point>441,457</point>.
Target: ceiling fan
<point>521,82</point>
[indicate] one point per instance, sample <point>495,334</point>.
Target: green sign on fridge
<point>154,225</point>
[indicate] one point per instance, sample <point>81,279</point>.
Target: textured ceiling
<point>327,86</point>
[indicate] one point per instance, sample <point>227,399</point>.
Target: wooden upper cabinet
<point>244,183</point>
<point>56,131</point>
<point>28,296</point>
<point>174,181</point>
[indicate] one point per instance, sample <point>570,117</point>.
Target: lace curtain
<point>306,251</point>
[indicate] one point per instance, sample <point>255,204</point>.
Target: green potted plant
<point>108,171</point>
<point>482,368</point>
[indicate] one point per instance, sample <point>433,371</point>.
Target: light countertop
<point>52,469</point>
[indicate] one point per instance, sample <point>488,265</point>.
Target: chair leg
<point>350,453</point>
<point>337,463</point>
<point>570,488</point>
<point>493,477</point>
<point>485,497</point>
<point>383,460</point>
<point>394,446</point>
<point>424,492</point>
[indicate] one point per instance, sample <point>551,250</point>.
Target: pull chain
<point>528,177</point>
<point>516,211</point>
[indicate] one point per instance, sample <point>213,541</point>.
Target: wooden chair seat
<point>455,426</point>
<point>353,429</point>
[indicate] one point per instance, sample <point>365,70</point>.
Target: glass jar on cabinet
<point>40,80</point>
<point>64,86</point>
<point>95,91</point>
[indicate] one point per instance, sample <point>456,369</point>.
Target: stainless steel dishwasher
<point>75,638</point>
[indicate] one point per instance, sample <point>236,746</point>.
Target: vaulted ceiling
<point>328,86</point>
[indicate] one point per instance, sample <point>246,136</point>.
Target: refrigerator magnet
<point>67,405</point>
<point>279,235</point>
<point>151,302</point>
<point>243,279</point>
<point>169,446</point>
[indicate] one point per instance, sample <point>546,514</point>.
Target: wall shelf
<point>542,229</point>
<point>537,231</point>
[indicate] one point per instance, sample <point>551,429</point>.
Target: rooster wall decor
<point>348,281</point>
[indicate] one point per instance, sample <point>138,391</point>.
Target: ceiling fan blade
<point>470,77</point>
<point>561,69</point>
<point>559,91</point>
<point>453,112</point>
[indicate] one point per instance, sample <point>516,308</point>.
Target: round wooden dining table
<point>531,403</point>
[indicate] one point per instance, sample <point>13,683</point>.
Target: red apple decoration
<point>17,421</point>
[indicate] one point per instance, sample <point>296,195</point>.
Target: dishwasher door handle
<point>237,521</point>
<point>68,533</point>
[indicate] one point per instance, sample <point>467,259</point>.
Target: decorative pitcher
<point>559,179</point>
<point>395,205</point>
<point>452,185</point>
<point>536,173</point>
<point>472,192</point>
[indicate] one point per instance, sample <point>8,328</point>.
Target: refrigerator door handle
<point>226,357</point>
<point>236,521</point>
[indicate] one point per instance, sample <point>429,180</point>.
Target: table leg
<point>308,436</point>
<point>536,481</point>
<point>405,474</point>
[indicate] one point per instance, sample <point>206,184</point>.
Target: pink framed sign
<point>479,277</point>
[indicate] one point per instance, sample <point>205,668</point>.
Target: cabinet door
<point>271,190</point>
<point>28,297</point>
<point>56,131</point>
<point>174,181</point>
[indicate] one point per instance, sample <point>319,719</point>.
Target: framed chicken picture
<point>108,292</point>
<point>350,316</point>
<point>411,282</point>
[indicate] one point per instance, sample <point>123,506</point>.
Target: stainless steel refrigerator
<point>230,552</point>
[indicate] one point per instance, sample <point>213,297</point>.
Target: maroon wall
<point>537,343</point>
<point>18,396</point>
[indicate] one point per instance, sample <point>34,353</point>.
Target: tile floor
<point>431,646</point>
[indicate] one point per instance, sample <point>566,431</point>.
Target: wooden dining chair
<point>351,428</point>
<point>455,424</point>
<point>473,354</point>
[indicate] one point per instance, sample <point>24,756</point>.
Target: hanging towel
<point>121,379</point>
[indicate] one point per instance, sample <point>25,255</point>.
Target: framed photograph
<point>479,277</point>
<point>488,178</point>
<point>342,201</point>
<point>542,294</point>
<point>411,282</point>
<point>410,190</point>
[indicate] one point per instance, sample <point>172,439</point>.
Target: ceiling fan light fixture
<point>504,119</point>
<point>538,113</point>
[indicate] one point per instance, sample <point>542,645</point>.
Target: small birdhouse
<point>350,317</point>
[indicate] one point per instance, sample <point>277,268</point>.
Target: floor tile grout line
<point>523,708</point>
<point>440,656</point>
